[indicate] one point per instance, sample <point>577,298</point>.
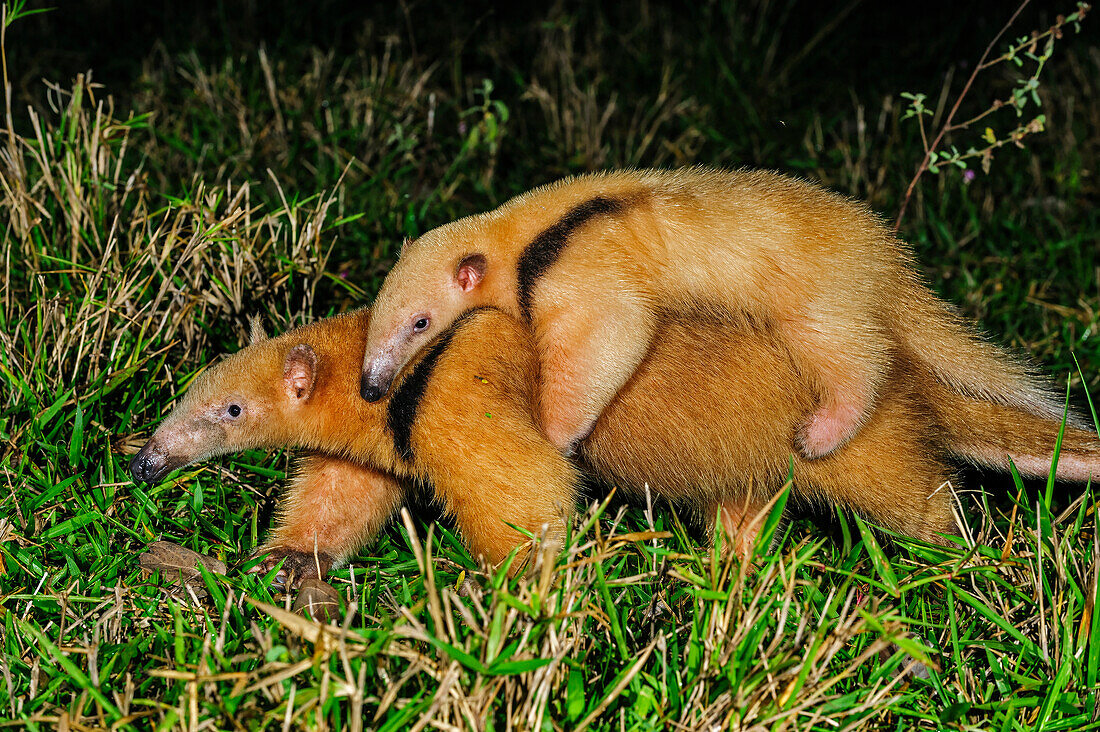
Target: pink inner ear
<point>471,271</point>
<point>300,371</point>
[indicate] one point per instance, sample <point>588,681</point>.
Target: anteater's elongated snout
<point>379,369</point>
<point>150,464</point>
<point>377,378</point>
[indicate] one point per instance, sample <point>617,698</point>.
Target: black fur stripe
<point>405,402</point>
<point>545,249</point>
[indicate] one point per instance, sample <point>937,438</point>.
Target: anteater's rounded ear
<point>256,330</point>
<point>300,372</point>
<point>470,271</point>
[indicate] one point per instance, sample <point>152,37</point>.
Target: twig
<point>978,68</point>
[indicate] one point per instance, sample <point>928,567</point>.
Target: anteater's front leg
<point>491,467</point>
<point>332,508</point>
<point>474,438</point>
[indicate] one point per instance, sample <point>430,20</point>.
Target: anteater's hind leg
<point>893,473</point>
<point>741,520</point>
<point>849,354</point>
<point>587,353</point>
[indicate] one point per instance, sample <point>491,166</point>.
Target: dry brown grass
<point>91,256</point>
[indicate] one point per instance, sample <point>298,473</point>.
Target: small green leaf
<point>459,655</point>
<point>766,536</point>
<point>574,695</point>
<point>71,525</point>
<point>882,564</point>
<point>52,410</point>
<point>77,444</point>
<point>511,668</point>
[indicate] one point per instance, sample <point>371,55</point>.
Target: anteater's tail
<point>931,333</point>
<point>990,434</point>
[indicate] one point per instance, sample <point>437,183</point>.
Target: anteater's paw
<point>827,429</point>
<point>296,566</point>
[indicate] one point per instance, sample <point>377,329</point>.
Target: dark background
<point>872,47</point>
<point>876,45</point>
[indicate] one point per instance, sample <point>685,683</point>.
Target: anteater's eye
<point>420,325</point>
<point>233,410</point>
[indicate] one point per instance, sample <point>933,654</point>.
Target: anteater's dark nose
<point>146,465</point>
<point>370,392</point>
